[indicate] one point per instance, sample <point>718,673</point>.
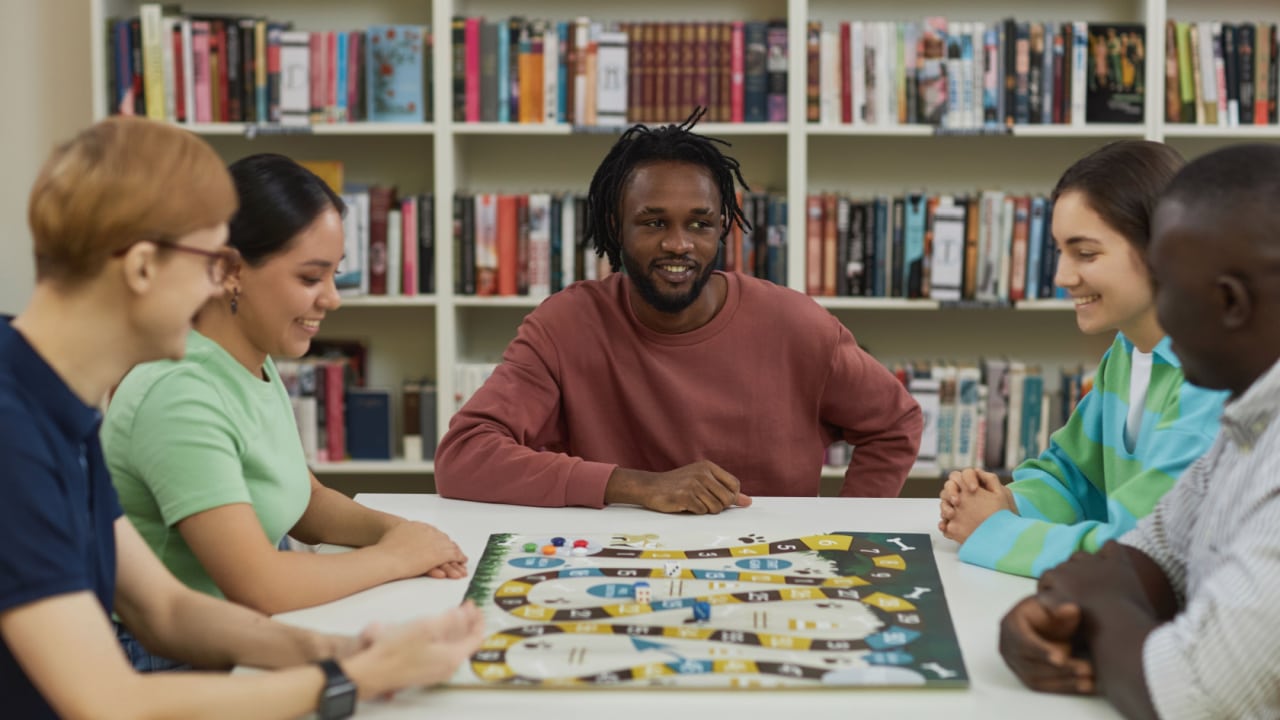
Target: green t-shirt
<point>185,436</point>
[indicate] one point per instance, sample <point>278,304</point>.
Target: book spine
<point>152,59</point>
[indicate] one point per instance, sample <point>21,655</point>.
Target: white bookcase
<point>426,336</point>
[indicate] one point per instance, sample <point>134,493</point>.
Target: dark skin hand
<point>1102,606</point>
<point>700,488</point>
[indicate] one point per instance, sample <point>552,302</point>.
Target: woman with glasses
<point>129,222</point>
<point>205,451</point>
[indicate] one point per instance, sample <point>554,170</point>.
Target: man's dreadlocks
<point>640,145</point>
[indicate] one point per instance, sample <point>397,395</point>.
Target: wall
<point>45,46</point>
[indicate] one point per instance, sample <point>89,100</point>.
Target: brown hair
<point>1122,181</point>
<point>122,180</point>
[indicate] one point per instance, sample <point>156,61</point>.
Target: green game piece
<point>530,547</point>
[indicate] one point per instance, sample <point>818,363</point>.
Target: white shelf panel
<point>875,303</point>
<point>381,301</point>
<point>375,467</point>
<point>1059,304</point>
<point>517,301</point>
<point>818,130</point>
<point>1127,130</point>
<point>1242,132</point>
<point>1031,131</point>
<point>490,128</point>
<point>347,129</point>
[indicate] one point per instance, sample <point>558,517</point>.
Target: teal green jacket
<point>1088,487</point>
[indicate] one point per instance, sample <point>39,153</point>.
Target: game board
<point>837,609</point>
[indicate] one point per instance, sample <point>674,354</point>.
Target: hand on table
<point>700,488</point>
<point>1036,641</point>
<point>423,549</point>
<point>423,652</point>
<point>968,498</point>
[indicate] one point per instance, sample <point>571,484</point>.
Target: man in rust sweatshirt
<point>671,385</point>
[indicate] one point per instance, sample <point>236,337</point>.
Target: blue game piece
<point>701,611</point>
<point>557,541</point>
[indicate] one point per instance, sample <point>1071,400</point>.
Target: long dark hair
<point>278,199</point>
<point>1122,182</point>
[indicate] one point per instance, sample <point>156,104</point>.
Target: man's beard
<point>662,302</point>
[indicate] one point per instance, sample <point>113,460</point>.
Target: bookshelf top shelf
<point>1216,132</point>
<point>251,130</point>
<point>490,128</point>
<point>382,301</point>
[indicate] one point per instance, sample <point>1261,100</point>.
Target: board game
<point>836,609</point>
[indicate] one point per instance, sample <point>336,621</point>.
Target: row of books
<point>992,415</point>
<point>1221,74</point>
<point>990,247</point>
<point>582,72</point>
<point>533,244</point>
<point>340,418</point>
<point>969,75</point>
<point>231,68</point>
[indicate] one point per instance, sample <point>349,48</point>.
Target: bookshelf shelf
<point>430,336</point>
<point>377,301</point>
<point>817,130</point>
<point>875,303</point>
<point>374,467</point>
<point>338,129</point>
<point>484,128</point>
<point>499,302</point>
<point>1098,130</point>
<point>1056,304</point>
<point>1238,134</point>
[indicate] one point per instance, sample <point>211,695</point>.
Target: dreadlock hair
<point>641,145</point>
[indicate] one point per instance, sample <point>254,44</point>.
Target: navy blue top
<point>58,506</point>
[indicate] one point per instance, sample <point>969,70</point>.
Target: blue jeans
<point>142,660</point>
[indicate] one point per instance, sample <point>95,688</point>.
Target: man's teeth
<point>1086,299</point>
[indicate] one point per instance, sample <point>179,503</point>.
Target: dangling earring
<point>235,301</point>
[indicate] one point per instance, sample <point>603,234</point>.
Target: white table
<point>978,599</point>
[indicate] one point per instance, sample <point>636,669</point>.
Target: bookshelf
<point>429,335</point>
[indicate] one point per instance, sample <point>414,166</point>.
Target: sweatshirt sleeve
<point>875,414</point>
<point>1063,506</point>
<point>500,445</point>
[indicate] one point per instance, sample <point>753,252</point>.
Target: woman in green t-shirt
<point>204,451</point>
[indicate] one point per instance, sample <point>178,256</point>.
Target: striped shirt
<point>1091,486</point>
<point>1220,657</point>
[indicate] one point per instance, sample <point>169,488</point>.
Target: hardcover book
<point>394,67</point>
<point>1117,62</point>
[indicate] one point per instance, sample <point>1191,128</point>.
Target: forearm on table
<point>332,517</point>
<point>211,633</point>
<point>279,582</point>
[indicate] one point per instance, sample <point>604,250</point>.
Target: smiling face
<point>1105,276</point>
<point>670,231</point>
<point>283,300</point>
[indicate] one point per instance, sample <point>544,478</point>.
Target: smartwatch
<point>338,698</point>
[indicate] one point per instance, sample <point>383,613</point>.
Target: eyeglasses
<point>220,261</point>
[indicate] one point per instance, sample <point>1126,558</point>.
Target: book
<point>368,423</point>
<point>1116,74</point>
<point>394,73</point>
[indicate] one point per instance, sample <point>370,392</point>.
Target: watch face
<point>338,700</point>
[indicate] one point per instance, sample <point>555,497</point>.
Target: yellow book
<point>330,171</point>
<point>152,26</point>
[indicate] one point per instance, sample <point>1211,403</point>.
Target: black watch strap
<point>338,698</point>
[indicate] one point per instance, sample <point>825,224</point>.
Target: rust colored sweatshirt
<point>761,390</point>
